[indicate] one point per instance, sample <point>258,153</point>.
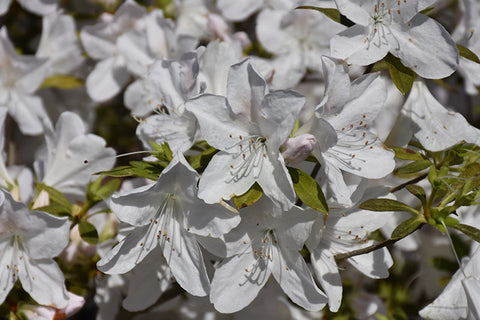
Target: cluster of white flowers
<point>288,141</point>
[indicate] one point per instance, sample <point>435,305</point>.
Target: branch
<point>403,185</point>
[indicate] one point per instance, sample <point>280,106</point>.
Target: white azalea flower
<point>248,127</point>
<point>29,240</point>
<point>166,216</point>
<point>127,44</point>
<point>72,156</point>
<point>394,26</point>
<point>344,231</point>
<point>341,126</point>
<point>40,7</point>
<point>20,77</point>
<point>459,299</point>
<point>435,127</point>
<point>297,38</point>
<point>59,44</point>
<point>266,242</point>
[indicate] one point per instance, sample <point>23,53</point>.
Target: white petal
<point>472,291</point>
<point>185,260</point>
<point>216,121</point>
<point>6,268</point>
<point>353,46</point>
<point>425,47</point>
<point>44,281</point>
<point>4,5</point>
<point>28,111</point>
<point>48,235</point>
<point>373,264</point>
<point>147,283</point>
<point>359,11</point>
<point>237,281</point>
<point>217,182</point>
<point>436,127</point>
<point>275,181</point>
<point>211,220</point>
<point>295,279</point>
<point>326,271</point>
<point>238,10</point>
<point>41,7</point>
<point>128,253</point>
<point>107,79</point>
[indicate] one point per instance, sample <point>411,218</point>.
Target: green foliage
<point>467,53</point>
<point>407,227</point>
<point>386,205</point>
<point>402,76</point>
<point>143,169</point>
<point>58,205</point>
<point>413,167</point>
<point>101,189</point>
<point>418,192</point>
<point>200,161</point>
<point>88,232</point>
<point>470,231</point>
<point>308,190</point>
<point>332,13</point>
<point>61,81</point>
<point>248,198</point>
<point>407,154</point>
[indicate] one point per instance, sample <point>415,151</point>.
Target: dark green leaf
<point>406,227</point>
<point>143,169</point>
<point>418,192</point>
<point>55,197</point>
<point>386,205</point>
<point>163,151</point>
<point>308,190</point>
<point>332,13</point>
<point>248,198</point>
<point>470,231</point>
<point>55,209</point>
<point>467,53</point>
<point>413,167</point>
<point>101,189</point>
<point>199,162</point>
<point>88,232</point>
<point>401,76</point>
<point>61,81</point>
<point>407,154</point>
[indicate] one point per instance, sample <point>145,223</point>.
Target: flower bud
<point>297,149</point>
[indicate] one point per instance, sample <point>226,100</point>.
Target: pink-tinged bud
<point>75,303</point>
<point>106,17</point>
<point>217,27</point>
<point>242,38</point>
<point>297,149</point>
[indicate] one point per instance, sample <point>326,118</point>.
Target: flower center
<point>247,154</point>
<point>263,256</point>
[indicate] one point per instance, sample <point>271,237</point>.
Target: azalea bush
<point>287,159</point>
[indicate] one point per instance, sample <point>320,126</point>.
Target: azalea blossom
<point>266,242</point>
<point>248,127</point>
<point>421,43</point>
<point>72,156</point>
<point>21,76</point>
<point>435,127</point>
<point>166,216</point>
<point>341,126</point>
<point>460,296</point>
<point>29,242</point>
<point>40,7</point>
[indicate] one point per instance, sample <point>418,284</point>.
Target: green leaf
<point>467,53</point>
<point>248,198</point>
<point>163,151</point>
<point>59,204</point>
<point>88,232</point>
<point>386,205</point>
<point>308,190</point>
<point>199,162</point>
<point>413,167</point>
<point>101,189</point>
<point>401,76</point>
<point>470,231</point>
<point>332,13</point>
<point>407,154</point>
<point>143,169</point>
<point>418,192</point>
<point>61,81</point>
<point>407,227</point>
